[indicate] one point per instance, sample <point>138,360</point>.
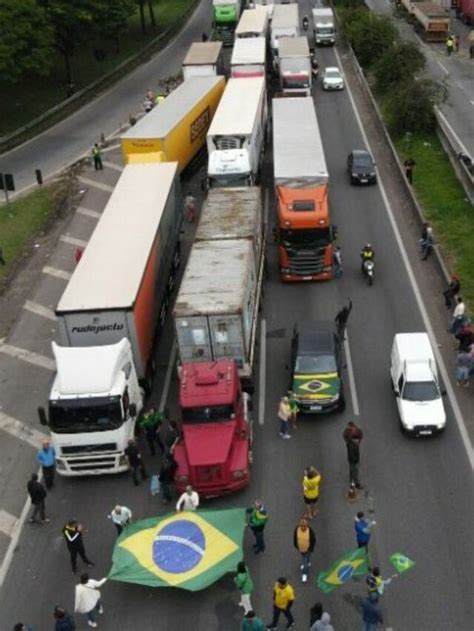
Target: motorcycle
<point>368,269</point>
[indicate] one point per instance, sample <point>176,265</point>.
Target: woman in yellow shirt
<point>311,481</point>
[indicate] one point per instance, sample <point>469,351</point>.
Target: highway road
<point>420,491</point>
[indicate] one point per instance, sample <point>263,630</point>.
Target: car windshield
<point>85,415</point>
<point>305,238</point>
<point>315,364</point>
<point>420,391</point>
<point>362,160</point>
<point>333,74</point>
<point>208,414</point>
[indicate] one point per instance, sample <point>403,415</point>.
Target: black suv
<point>316,362</point>
<point>361,167</point>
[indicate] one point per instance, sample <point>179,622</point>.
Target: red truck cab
<point>215,450</point>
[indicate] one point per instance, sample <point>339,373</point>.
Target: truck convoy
<point>324,26</point>
<point>305,233</point>
<point>253,23</point>
<point>203,59</point>
<point>108,319</point>
<point>295,66</point>
<point>235,139</point>
<point>176,129</point>
<point>248,57</point>
<point>285,23</point>
<point>226,14</point>
<point>216,310</point>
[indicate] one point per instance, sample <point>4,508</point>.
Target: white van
<point>415,383</point>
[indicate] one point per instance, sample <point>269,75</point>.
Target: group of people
<point>461,327</point>
<point>150,100</point>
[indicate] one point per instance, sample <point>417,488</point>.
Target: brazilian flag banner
<point>190,550</point>
<point>353,563</point>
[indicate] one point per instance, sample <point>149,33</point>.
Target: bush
<point>402,60</point>
<point>369,35</point>
<point>411,105</point>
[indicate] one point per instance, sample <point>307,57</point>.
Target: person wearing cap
<point>284,414</point>
<point>257,518</point>
<point>121,516</point>
<point>46,457</point>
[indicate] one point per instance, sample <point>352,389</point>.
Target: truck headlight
<point>122,460</point>
<point>239,474</point>
<point>60,464</point>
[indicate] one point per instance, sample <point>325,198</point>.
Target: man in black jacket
<point>135,461</point>
<point>37,494</point>
<point>72,532</point>
<point>304,541</point>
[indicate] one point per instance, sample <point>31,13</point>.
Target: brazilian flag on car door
<point>190,550</point>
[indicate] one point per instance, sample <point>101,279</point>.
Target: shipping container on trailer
<point>203,59</point>
<point>176,129</point>
<point>248,57</point>
<point>252,23</point>
<point>295,66</point>
<point>285,23</point>
<point>122,284</point>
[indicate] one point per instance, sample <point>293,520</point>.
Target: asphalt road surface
<point>419,491</point>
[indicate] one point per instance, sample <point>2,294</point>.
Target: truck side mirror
<point>42,416</point>
<point>132,410</point>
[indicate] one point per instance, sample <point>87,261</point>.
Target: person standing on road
<point>304,541</point>
<point>294,409</point>
<point>449,45</point>
<point>97,157</point>
<point>19,626</point>
<point>458,315</point>
<point>409,165</point>
<point>284,414</point>
<point>311,482</point>
<point>72,532</point>
<point>166,477</point>
<point>352,436</point>
<point>283,599</point>
<point>190,207</point>
<point>452,291</point>
<point>244,584</point>
<point>135,461</point>
<point>324,624</point>
<point>257,518</point>
<point>174,435</point>
<point>87,599</point>
<point>46,457</point>
<point>64,621</point>
<point>463,366</point>
<point>189,500</point>
<point>371,614</point>
<point>37,494</point>
<point>337,260</point>
<point>341,320</point>
<point>363,530</point>
<point>121,516</point>
<point>252,623</point>
<point>151,422</point>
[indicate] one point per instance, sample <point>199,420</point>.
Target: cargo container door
<point>94,328</point>
<point>227,338</point>
<point>194,341</point>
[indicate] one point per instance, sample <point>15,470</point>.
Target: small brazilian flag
<point>190,550</point>
<point>353,563</point>
<point>401,563</point>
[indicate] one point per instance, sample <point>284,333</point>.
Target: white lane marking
<point>20,430</point>
<point>166,387</point>
<point>80,243</point>
<point>350,370</point>
<point>445,70</point>
<point>458,140</point>
<point>424,314</point>
<point>112,147</point>
<point>100,185</point>
<point>15,537</point>
<point>7,522</point>
<point>112,165</point>
<point>27,356</point>
<point>262,373</point>
<point>44,312</point>
<point>87,212</point>
<point>57,273</point>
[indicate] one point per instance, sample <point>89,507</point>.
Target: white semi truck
<point>108,318</point>
<point>235,139</point>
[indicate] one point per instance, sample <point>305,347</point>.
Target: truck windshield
<point>420,391</point>
<point>325,30</point>
<point>301,239</point>
<point>223,181</point>
<point>296,81</point>
<point>306,364</point>
<point>91,415</point>
<point>209,414</point>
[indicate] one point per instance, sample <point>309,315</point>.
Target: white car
<point>332,79</point>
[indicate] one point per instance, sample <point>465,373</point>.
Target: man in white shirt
<point>458,316</point>
<point>87,599</point>
<point>121,516</point>
<point>189,500</point>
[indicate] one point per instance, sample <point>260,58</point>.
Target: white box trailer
<point>248,57</point>
<point>269,5</point>
<point>295,66</point>
<point>285,23</point>
<point>216,310</point>
<point>235,139</point>
<point>203,59</point>
<point>253,23</point>
<point>324,26</point>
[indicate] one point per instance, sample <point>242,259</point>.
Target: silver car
<point>333,79</point>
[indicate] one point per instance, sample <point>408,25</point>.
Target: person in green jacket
<point>151,423</point>
<point>244,584</point>
<point>252,623</point>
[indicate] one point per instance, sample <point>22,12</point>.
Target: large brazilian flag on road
<point>190,550</point>
<point>353,563</point>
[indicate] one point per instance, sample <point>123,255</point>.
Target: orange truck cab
<point>305,232</point>
<point>215,450</point>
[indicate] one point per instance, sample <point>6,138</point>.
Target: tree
<point>111,19</point>
<point>151,12</point>
<point>26,40</point>
<point>396,63</point>
<point>370,35</point>
<point>412,104</point>
<point>141,7</point>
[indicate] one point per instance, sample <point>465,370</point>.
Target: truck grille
<point>227,142</point>
<point>85,449</point>
<point>209,475</point>
<point>306,263</point>
<point>90,464</point>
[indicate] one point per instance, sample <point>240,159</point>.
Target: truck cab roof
<point>208,383</point>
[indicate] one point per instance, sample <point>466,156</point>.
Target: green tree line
<point>32,31</point>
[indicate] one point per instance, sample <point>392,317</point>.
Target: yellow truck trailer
<point>175,130</point>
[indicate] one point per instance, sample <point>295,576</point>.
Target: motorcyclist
<point>367,254</point>
<point>305,23</point>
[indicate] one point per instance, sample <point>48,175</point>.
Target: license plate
<point>307,277</point>
<point>425,432</point>
<point>315,408</point>
<point>364,181</point>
